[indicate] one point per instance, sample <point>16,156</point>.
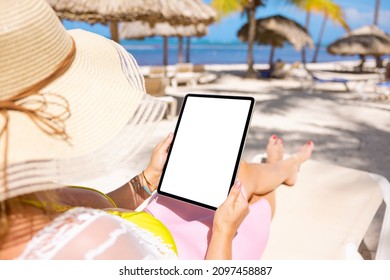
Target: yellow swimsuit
<point>141,219</point>
<point>148,222</point>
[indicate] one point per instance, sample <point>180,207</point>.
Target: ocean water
<point>150,52</point>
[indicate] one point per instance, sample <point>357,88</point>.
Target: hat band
<point>35,105</point>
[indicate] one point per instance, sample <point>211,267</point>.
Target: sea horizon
<point>149,52</point>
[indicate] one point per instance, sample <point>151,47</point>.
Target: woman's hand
<point>228,217</point>
<point>157,162</point>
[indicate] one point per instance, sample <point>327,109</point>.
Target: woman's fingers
<point>167,142</point>
<point>234,193</point>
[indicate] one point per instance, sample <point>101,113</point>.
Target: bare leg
<point>275,149</point>
<point>260,180</point>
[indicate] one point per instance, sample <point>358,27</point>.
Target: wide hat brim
<point>101,100</point>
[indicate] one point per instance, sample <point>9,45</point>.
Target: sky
<point>357,13</point>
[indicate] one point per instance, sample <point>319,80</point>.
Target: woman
<point>73,106</point>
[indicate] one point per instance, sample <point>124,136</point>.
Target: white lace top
<point>83,233</point>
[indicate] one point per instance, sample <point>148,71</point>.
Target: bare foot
<point>275,149</point>
<point>303,154</point>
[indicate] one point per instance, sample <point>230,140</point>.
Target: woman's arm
<point>133,193</point>
<point>228,217</point>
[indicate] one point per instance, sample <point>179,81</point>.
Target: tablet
<point>204,156</point>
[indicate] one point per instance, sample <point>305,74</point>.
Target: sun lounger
<point>327,214</point>
<point>157,71</point>
<point>184,75</point>
<point>205,77</point>
<point>334,80</point>
<point>283,70</point>
<point>155,86</point>
<point>383,88</point>
<point>317,78</point>
<point>324,216</point>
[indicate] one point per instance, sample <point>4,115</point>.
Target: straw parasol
<point>367,40</point>
<point>111,12</point>
<point>141,30</point>
<point>276,31</point>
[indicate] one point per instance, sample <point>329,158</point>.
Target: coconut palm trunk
<point>318,45</point>
<point>378,59</point>
<point>225,7</point>
<point>251,38</point>
<point>376,14</point>
<point>307,23</point>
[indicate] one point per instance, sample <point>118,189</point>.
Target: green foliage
<point>327,8</point>
<point>225,7</point>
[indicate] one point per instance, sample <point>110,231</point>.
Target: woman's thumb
<point>234,192</point>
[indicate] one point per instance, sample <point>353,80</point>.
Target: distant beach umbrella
<point>141,30</point>
<point>364,41</point>
<point>181,12</point>
<point>276,31</point>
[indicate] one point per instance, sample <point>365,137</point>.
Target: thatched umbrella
<point>365,44</point>
<point>141,30</point>
<point>276,31</point>
<point>367,40</point>
<point>111,12</point>
<point>364,41</point>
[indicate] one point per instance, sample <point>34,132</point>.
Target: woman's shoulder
<point>85,233</point>
<point>55,236</point>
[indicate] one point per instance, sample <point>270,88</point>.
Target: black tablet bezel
<point>240,150</point>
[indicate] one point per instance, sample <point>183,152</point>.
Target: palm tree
<point>328,9</point>
<point>378,59</point>
<point>376,15</point>
<point>225,7</point>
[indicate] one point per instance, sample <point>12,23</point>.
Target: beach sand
<point>346,129</point>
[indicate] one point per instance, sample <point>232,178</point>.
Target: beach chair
<point>383,88</point>
<point>284,71</point>
<point>320,80</point>
<point>327,214</point>
<point>156,86</point>
<point>205,77</point>
<point>184,74</point>
<point>278,70</point>
<point>324,216</point>
<point>350,85</point>
<point>156,71</point>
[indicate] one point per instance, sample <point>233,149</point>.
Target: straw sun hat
<point>69,101</point>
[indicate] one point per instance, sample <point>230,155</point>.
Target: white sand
<point>346,130</point>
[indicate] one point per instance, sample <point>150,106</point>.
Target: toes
<point>305,151</point>
<point>273,140</point>
<point>309,146</point>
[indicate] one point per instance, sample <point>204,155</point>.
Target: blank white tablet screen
<point>205,153</point>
